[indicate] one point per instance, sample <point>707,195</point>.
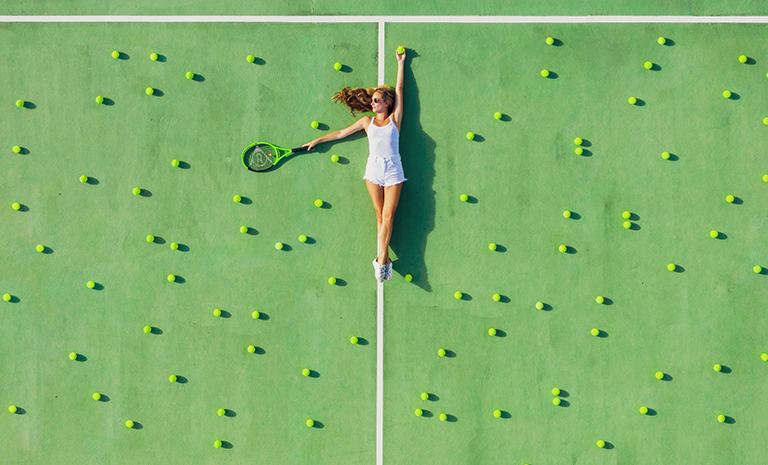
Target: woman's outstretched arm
<point>340,134</point>
<point>397,113</point>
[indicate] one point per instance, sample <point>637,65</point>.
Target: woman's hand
<point>400,56</point>
<point>311,146</point>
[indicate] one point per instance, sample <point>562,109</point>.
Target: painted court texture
<point>520,173</point>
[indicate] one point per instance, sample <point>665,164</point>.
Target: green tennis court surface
<point>520,173</point>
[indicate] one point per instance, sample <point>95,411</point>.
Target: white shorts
<point>384,171</point>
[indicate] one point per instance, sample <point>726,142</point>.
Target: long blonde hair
<point>360,99</point>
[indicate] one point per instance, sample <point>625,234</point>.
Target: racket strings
<point>258,159</point>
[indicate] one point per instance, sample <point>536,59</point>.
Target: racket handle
<point>303,148</point>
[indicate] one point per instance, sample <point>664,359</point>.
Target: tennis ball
<point>217,444</point>
<point>550,41</point>
<point>491,246</point>
<point>665,155</point>
<point>115,54</point>
<point>465,197</point>
<point>497,413</point>
<point>221,412</point>
<point>408,278</point>
<point>492,332</point>
<point>150,91</point>
<point>627,224</point>
<point>601,444</point>
<point>497,115</point>
<point>595,331</point>
<point>578,150</point>
<point>175,163</point>
<point>310,423</point>
<point>335,158</point>
<point>647,65</point>
<point>250,58</point>
<point>314,124</point>
<point>496,297</point>
<point>419,412</point>
<point>470,135</point>
<point>400,50</point>
<point>443,417</point>
<point>714,234</point>
<point>632,100</point>
<point>556,401</point>
<point>727,93</point>
<point>83,179</point>
<point>563,248</point>
<point>567,214</point>
<point>539,306</point>
<point>353,340</point>
<point>659,375</point>
<point>544,73</point>
<point>729,198</point>
<point>251,349</point>
<point>153,56</point>
<point>318,203</point>
<point>742,58</point>
<point>72,356</point>
<point>331,280</point>
<point>172,378</point>
<point>757,269</point>
<point>99,99</point>
<point>305,372</point>
<point>718,367</point>
<point>578,141</point>
<point>190,75</point>
<point>671,267</point>
<point>600,299</point>
<point>721,418</point>
<point>302,238</point>
<point>150,238</point>
<point>7,297</point>
<point>20,103</point>
<point>764,357</point>
<point>626,215</point>
<point>555,391</point>
<point>129,424</point>
<point>441,352</point>
<point>16,149</point>
<point>90,284</point>
<point>216,312</point>
<point>337,66</point>
<point>765,121</point>
<point>243,229</point>
<point>424,395</point>
<point>171,278</point>
<point>136,191</point>
<point>12,409</point>
<point>16,206</point>
<point>174,246</point>
<point>96,396</point>
<point>237,199</point>
<point>643,409</point>
<point>457,294</point>
<point>255,315</point>
<point>40,248</point>
<point>662,41</point>
<point>147,329</point>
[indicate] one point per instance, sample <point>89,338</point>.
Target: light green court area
<point>520,173</point>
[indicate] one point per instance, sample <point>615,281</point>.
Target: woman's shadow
<point>415,216</point>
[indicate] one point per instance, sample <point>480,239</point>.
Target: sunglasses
<point>376,100</point>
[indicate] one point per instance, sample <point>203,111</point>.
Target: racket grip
<point>303,148</point>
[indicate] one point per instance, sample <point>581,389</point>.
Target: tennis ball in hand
<point>250,58</point>
<point>661,40</point>
<point>544,73</point>
<point>550,41</point>
<point>647,65</point>
<point>335,158</point>
<point>727,93</point>
<point>314,124</point>
<point>20,103</point>
<point>337,66</point>
<point>99,99</point>
<point>400,50</point>
<point>632,100</point>
<point>16,149</point>
<point>175,163</point>
<point>497,115</point>
<point>16,206</point>
<point>136,191</point>
<point>742,58</point>
<point>190,75</point>
<point>470,135</point>
<point>115,54</point>
<point>153,56</point>
<point>150,91</point>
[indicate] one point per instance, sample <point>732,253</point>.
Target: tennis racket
<point>261,156</point>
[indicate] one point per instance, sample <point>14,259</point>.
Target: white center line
<point>380,311</point>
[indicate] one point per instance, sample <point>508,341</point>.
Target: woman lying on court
<point>384,171</point>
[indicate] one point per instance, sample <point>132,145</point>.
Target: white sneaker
<point>378,271</point>
<point>388,272</point>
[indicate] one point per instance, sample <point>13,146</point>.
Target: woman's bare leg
<point>391,199</point>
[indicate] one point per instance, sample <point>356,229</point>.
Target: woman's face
<point>378,104</point>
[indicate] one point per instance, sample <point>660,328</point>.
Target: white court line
<point>386,19</point>
<point>380,312</point>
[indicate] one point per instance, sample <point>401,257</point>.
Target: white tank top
<point>383,141</point>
